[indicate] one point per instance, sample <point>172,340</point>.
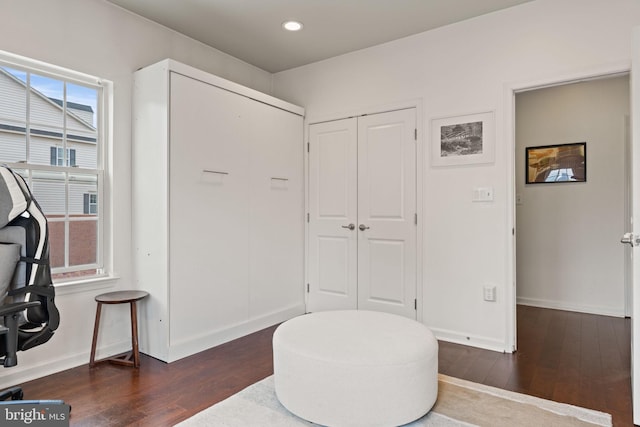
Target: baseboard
<point>562,305</point>
<point>196,344</point>
<point>470,340</point>
<point>31,371</point>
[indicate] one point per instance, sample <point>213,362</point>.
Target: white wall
<point>466,68</point>
<point>569,254</point>
<point>97,38</point>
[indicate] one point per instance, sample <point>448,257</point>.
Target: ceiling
<point>251,29</point>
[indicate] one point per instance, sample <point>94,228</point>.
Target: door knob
<point>350,226</point>
<point>363,227</point>
<point>630,239</point>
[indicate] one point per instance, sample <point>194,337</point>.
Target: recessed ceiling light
<point>292,25</point>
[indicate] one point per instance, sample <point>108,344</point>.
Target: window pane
<point>93,204</point>
<point>56,243</point>
<point>81,187</point>
<point>85,150</point>
<point>13,102</point>
<point>83,236</point>
<point>49,190</point>
<point>13,142</point>
<point>13,115</point>
<point>44,143</point>
<point>82,105</point>
<point>82,121</point>
<point>45,104</point>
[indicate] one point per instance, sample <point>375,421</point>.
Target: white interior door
<point>333,213</point>
<point>362,207</point>
<point>387,212</point>
<point>635,237</point>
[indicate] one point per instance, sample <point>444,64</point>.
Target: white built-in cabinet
<point>218,207</point>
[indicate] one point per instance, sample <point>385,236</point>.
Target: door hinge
<point>415,134</point>
<point>415,304</point>
<point>307,217</point>
<point>307,288</point>
<point>308,147</point>
<point>415,218</point>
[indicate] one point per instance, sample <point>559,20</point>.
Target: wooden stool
<point>119,297</point>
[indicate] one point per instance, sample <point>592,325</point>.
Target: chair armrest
<point>16,307</point>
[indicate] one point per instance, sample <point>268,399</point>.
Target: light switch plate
<point>482,194</point>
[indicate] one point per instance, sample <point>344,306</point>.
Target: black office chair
<point>28,315</point>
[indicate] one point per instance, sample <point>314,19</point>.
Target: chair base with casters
<point>13,393</point>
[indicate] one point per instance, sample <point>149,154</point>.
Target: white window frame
<point>104,126</point>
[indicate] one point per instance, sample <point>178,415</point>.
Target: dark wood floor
<point>569,357</point>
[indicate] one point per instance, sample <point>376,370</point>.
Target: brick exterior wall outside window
<point>82,248</point>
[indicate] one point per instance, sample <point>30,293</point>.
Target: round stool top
<point>357,337</point>
<point>119,297</point>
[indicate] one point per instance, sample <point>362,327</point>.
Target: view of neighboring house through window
<point>50,134</point>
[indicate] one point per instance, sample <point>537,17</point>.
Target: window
<point>58,157</point>
<point>52,123</point>
<point>90,203</point>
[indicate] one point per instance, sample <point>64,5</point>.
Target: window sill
<point>84,285</point>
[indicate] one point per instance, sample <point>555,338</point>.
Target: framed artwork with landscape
<point>463,140</point>
<point>556,163</point>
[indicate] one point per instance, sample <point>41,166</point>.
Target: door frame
<point>416,103</point>
<point>509,96</point>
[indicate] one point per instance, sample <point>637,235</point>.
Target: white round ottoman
<point>355,368</point>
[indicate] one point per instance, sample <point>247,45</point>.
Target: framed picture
<point>463,140</point>
<point>556,163</point>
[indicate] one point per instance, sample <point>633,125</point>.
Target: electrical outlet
<point>489,293</point>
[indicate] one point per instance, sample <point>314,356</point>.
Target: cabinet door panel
<point>276,224</point>
<point>208,172</point>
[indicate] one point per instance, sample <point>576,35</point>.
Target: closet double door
<point>362,231</point>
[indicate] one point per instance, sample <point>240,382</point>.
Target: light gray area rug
<point>460,403</point>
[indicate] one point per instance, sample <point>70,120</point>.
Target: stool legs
<point>134,335</point>
<point>123,359</point>
<point>96,325</point>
